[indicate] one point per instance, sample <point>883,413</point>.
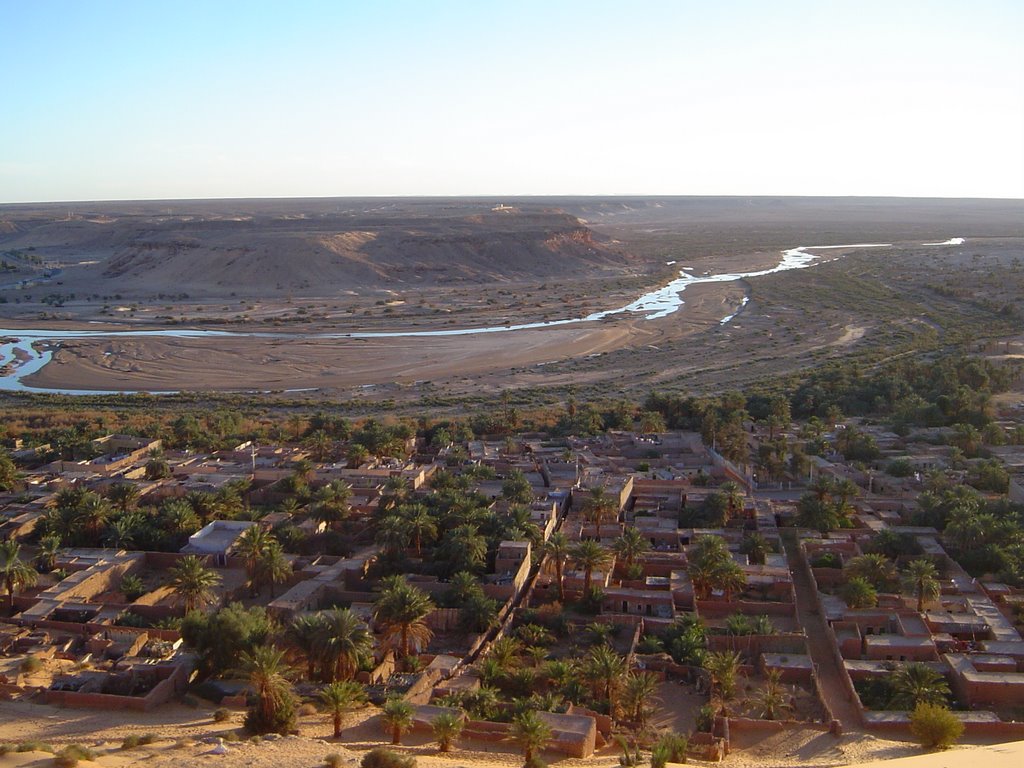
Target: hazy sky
<point>147,99</point>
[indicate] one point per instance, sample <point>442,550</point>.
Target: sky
<point>148,99</point>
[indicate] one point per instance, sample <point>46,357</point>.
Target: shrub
<point>935,726</point>
<point>306,710</point>
<point>130,742</point>
<point>675,745</point>
<point>650,644</point>
<point>132,587</point>
<point>706,718</point>
<point>827,560</point>
<point>34,746</point>
<point>4,749</point>
<point>221,715</point>
<point>334,760</point>
<point>385,758</point>
<point>71,755</point>
<point>30,665</point>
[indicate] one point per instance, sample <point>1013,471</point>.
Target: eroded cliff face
<point>287,253</point>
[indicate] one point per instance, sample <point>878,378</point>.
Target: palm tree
<point>728,577</point>
<point>397,718</point>
<point>307,634</point>
<point>708,550</point>
<point>394,493</point>
<point>179,517</point>
<point>734,498</point>
<point>816,513</point>
<point>702,578</point>
<point>92,515</point>
<point>874,568</point>
<point>756,548</point>
<point>251,546</point>
<point>505,651</point>
<point>420,525</point>
<point>47,551</point>
<point>465,548</point>
<point>516,488</point>
<point>193,582</point>
<point>447,726</point>
<point>557,548</point>
<point>401,611</point>
<point>921,580</point>
<point>638,697</point>
<point>330,503</point>
<point>723,666</point>
<point>859,593</point>
<point>590,556</point>
<point>393,534</point>
<point>347,641</point>
<point>605,669</point>
<point>845,490</point>
<point>320,443</point>
<point>531,733</point>
<point>272,567</point>
<point>339,697</point>
<point>14,572</point>
<point>121,533</point>
<point>268,676</point>
<point>598,507</point>
<point>124,496</point>
<point>916,683</point>
<point>771,699</point>
<point>630,546</point>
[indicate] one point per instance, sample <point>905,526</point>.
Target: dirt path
<point>832,687</point>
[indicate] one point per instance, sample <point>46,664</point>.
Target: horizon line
<point>491,196</point>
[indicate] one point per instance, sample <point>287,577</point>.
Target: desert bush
<point>134,740</point>
<point>307,710</point>
<point>659,756</point>
<point>4,749</point>
<point>385,758</point>
<point>221,715</point>
<point>132,587</point>
<point>30,665</point>
<point>706,718</point>
<point>935,726</point>
<point>34,746</point>
<point>70,756</point>
<point>675,745</point>
<point>334,760</point>
<point>827,560</point>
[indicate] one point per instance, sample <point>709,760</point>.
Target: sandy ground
<point>185,736</point>
<point>271,364</point>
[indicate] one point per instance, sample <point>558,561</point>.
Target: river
<point>27,351</point>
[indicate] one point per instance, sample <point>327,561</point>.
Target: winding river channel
<point>27,351</point>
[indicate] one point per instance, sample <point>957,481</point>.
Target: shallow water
<point>656,304</point>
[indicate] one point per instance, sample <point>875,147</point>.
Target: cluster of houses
<point>76,621</point>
